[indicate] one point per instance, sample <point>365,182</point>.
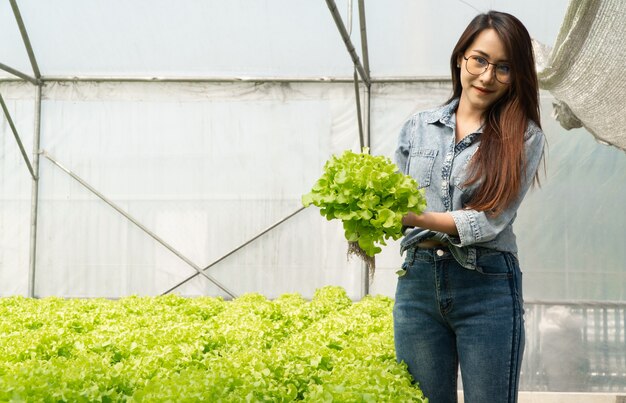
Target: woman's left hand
<point>409,220</point>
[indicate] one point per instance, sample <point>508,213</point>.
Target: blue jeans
<point>446,315</point>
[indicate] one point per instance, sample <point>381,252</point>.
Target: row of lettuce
<point>179,349</point>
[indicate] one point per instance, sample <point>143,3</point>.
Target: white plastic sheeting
<point>15,189</point>
<point>287,38</point>
<point>205,167</point>
<point>172,38</point>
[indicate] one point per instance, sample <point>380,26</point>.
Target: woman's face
<point>479,92</point>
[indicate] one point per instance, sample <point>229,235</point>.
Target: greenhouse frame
<point>152,148</point>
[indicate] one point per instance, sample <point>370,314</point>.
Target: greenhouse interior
<point>159,151</point>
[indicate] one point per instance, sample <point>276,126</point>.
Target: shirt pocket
<point>421,165</point>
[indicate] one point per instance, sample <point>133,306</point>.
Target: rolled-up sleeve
<point>404,146</point>
<point>477,226</point>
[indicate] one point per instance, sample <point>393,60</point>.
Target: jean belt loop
<point>415,250</point>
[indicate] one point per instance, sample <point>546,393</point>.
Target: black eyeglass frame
<point>495,68</point>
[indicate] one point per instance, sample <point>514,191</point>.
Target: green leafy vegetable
<point>165,349</point>
<point>369,195</point>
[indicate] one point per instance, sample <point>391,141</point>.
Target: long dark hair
<point>500,161</point>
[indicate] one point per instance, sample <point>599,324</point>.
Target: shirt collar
<point>446,114</point>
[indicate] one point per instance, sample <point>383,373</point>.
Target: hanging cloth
<point>586,69</point>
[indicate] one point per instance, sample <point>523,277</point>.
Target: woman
<point>460,299</point>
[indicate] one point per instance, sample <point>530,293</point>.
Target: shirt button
<point>440,252</point>
<point>444,184</point>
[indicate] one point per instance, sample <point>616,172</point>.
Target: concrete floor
<point>562,397</point>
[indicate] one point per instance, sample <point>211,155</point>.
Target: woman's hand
<point>441,222</point>
<point>409,220</point>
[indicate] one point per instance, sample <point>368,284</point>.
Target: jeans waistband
<point>435,253</point>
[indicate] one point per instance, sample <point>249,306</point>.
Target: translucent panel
<point>205,167</point>
<point>288,259</point>
<point>15,188</point>
<point>575,348</point>
<point>571,231</point>
<point>170,38</point>
<point>180,141</point>
<point>416,38</point>
<point>239,38</point>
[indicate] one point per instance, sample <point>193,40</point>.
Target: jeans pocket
<point>517,276</point>
<point>410,270</point>
<point>403,270</point>
<point>494,264</point>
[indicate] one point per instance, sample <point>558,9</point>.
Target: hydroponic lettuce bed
<point>201,349</point>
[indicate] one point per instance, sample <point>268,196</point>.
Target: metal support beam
<point>192,79</point>
<point>364,49</point>
<point>137,223</point>
<point>368,109</point>
<point>24,33</point>
<point>366,275</point>
<point>34,198</point>
<point>346,39</point>
<point>366,140</point>
<point>19,74</point>
<point>578,303</point>
<point>249,241</point>
<point>366,66</point>
<point>258,79</point>
<point>17,137</point>
<point>359,118</point>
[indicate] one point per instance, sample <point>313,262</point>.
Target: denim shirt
<point>427,150</point>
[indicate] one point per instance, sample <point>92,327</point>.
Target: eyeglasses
<point>477,65</point>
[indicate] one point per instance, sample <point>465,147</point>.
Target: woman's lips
<point>483,90</point>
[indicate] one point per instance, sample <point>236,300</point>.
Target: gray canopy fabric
<point>585,70</point>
